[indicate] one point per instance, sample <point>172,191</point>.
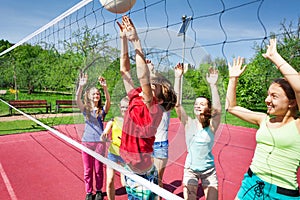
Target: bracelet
<point>281,65</point>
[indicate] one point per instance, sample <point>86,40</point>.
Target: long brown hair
<point>88,103</point>
<point>167,94</point>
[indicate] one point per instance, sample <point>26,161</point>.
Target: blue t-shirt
<point>93,127</point>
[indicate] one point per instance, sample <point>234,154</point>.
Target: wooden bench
<point>30,104</point>
<point>65,104</point>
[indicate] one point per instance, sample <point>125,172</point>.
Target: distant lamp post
<point>184,26</point>
<point>182,31</point>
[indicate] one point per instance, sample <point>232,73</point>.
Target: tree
<point>6,76</point>
<point>45,68</point>
<point>94,50</point>
<point>254,83</point>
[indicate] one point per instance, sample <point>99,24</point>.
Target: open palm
<point>212,76</point>
<point>237,68</point>
<point>83,79</point>
<point>178,70</point>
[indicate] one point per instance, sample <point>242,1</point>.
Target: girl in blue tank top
<point>199,135</point>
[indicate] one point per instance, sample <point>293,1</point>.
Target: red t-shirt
<point>138,133</point>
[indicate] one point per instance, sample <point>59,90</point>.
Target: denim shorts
<point>115,158</point>
<point>254,188</point>
<point>161,149</point>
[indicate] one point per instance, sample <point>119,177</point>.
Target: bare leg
<point>122,177</point>
<point>190,192</point>
<point>110,186</point>
<point>160,165</point>
<point>211,193</point>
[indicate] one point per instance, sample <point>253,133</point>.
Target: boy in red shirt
<point>146,106</point>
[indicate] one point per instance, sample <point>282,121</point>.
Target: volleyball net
<point>46,64</point>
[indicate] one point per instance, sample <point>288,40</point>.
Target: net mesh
<point>46,64</point>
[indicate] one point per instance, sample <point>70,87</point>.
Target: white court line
<point>150,185</point>
<point>7,184</point>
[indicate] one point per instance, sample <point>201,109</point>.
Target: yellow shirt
<point>116,134</point>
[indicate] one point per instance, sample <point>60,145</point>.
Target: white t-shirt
<point>162,130</point>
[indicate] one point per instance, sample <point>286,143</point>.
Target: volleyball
<point>118,6</point>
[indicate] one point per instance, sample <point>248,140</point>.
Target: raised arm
<point>178,71</point>
<point>289,73</point>
<point>82,81</point>
<point>142,70</point>
<point>124,59</point>
<point>212,78</point>
<point>235,71</point>
<point>151,68</point>
<point>103,84</point>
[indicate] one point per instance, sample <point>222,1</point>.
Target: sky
<point>18,19</point>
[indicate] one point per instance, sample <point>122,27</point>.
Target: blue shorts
<point>135,191</point>
<point>254,188</point>
<point>161,149</point>
<point>115,158</point>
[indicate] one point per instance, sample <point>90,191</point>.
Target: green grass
<point>230,119</point>
<point>225,119</point>
<point>20,126</point>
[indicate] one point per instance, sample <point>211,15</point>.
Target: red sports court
<point>40,165</point>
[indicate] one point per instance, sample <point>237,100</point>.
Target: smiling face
<point>124,106</point>
<point>277,101</point>
<point>201,106</point>
<point>94,95</point>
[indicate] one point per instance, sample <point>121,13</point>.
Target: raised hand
<point>237,67</point>
<point>83,79</point>
<point>150,66</point>
<point>127,29</point>
<point>212,76</point>
<point>102,81</point>
<point>272,50</point>
<point>179,70</point>
<point>122,29</point>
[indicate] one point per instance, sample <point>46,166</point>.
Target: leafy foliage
<point>35,68</point>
